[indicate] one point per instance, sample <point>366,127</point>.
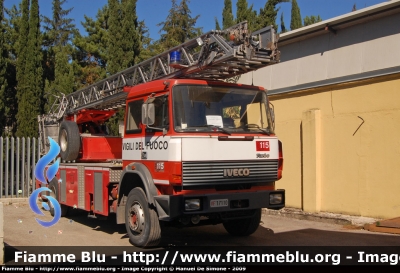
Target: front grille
<point>200,173</point>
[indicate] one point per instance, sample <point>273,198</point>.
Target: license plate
<point>219,203</point>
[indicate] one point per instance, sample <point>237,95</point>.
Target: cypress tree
<point>283,28</point>
<point>114,50</point>
<point>30,102</point>
<point>227,15</point>
<point>21,46</point>
<point>63,72</point>
<point>295,21</point>
<point>241,11</point>
<point>130,32</point>
<point>3,66</point>
<point>21,52</point>
<point>57,37</point>
<point>124,44</point>
<point>12,31</point>
<point>217,26</point>
<point>123,35</point>
<point>268,14</point>
<point>245,13</point>
<point>309,20</point>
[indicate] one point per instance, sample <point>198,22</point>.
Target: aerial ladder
<point>215,55</point>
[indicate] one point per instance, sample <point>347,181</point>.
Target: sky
<point>154,12</point>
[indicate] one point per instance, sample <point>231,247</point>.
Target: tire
<point>243,227</point>
<point>141,221</point>
<point>54,187</point>
<point>69,140</point>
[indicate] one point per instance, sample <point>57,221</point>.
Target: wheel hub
<point>136,218</point>
<point>63,141</point>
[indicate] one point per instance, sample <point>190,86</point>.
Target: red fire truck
<point>196,148</point>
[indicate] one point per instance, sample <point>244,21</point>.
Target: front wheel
<point>243,227</point>
<point>141,221</point>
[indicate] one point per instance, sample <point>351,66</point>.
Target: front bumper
<point>170,207</point>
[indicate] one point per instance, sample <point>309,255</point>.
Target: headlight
<point>192,204</point>
<point>275,198</point>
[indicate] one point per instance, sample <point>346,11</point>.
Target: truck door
<point>133,142</point>
<point>157,142</point>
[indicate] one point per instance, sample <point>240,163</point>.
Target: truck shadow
<point>216,235</point>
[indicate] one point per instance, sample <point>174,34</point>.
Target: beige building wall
<point>337,110</point>
<point>342,148</point>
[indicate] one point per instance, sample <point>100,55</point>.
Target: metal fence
<point>18,157</point>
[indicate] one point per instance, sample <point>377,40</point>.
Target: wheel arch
<point>134,175</point>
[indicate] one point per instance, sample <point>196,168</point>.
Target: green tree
<point>148,47</point>
<point>31,100</point>
<point>179,25</point>
<point>227,15</point>
<point>131,42</point>
<point>295,21</point>
<point>63,77</point>
<point>22,46</point>
<point>3,67</point>
<point>217,26</point>
<point>283,28</point>
<point>12,31</point>
<point>21,57</point>
<point>57,39</point>
<point>245,13</point>
<point>59,30</point>
<point>115,52</point>
<point>123,44</point>
<point>267,15</point>
<point>90,55</point>
<point>309,20</point>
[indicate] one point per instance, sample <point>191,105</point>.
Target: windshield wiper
<point>222,129</point>
<point>258,127</point>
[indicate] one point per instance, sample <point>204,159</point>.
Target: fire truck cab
<point>197,152</point>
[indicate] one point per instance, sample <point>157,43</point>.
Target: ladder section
<point>210,56</point>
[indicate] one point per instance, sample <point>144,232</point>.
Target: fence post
<point>6,169</point>
<point>18,167</point>
<point>28,160</point>
<point>1,167</point>
<point>23,167</point>
<point>1,234</point>
<point>12,168</point>
<point>33,166</point>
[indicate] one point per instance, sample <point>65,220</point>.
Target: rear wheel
<point>243,227</point>
<point>141,221</point>
<point>69,140</point>
<point>54,187</point>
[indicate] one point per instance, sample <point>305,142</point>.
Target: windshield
<point>225,109</point>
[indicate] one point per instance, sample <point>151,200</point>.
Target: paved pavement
<point>21,229</point>
<point>286,228</point>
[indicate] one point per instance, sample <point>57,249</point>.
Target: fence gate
<point>18,157</point>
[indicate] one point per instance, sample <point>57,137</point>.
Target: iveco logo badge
<point>236,172</point>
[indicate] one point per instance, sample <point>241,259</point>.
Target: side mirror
<point>148,114</point>
<point>271,110</point>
